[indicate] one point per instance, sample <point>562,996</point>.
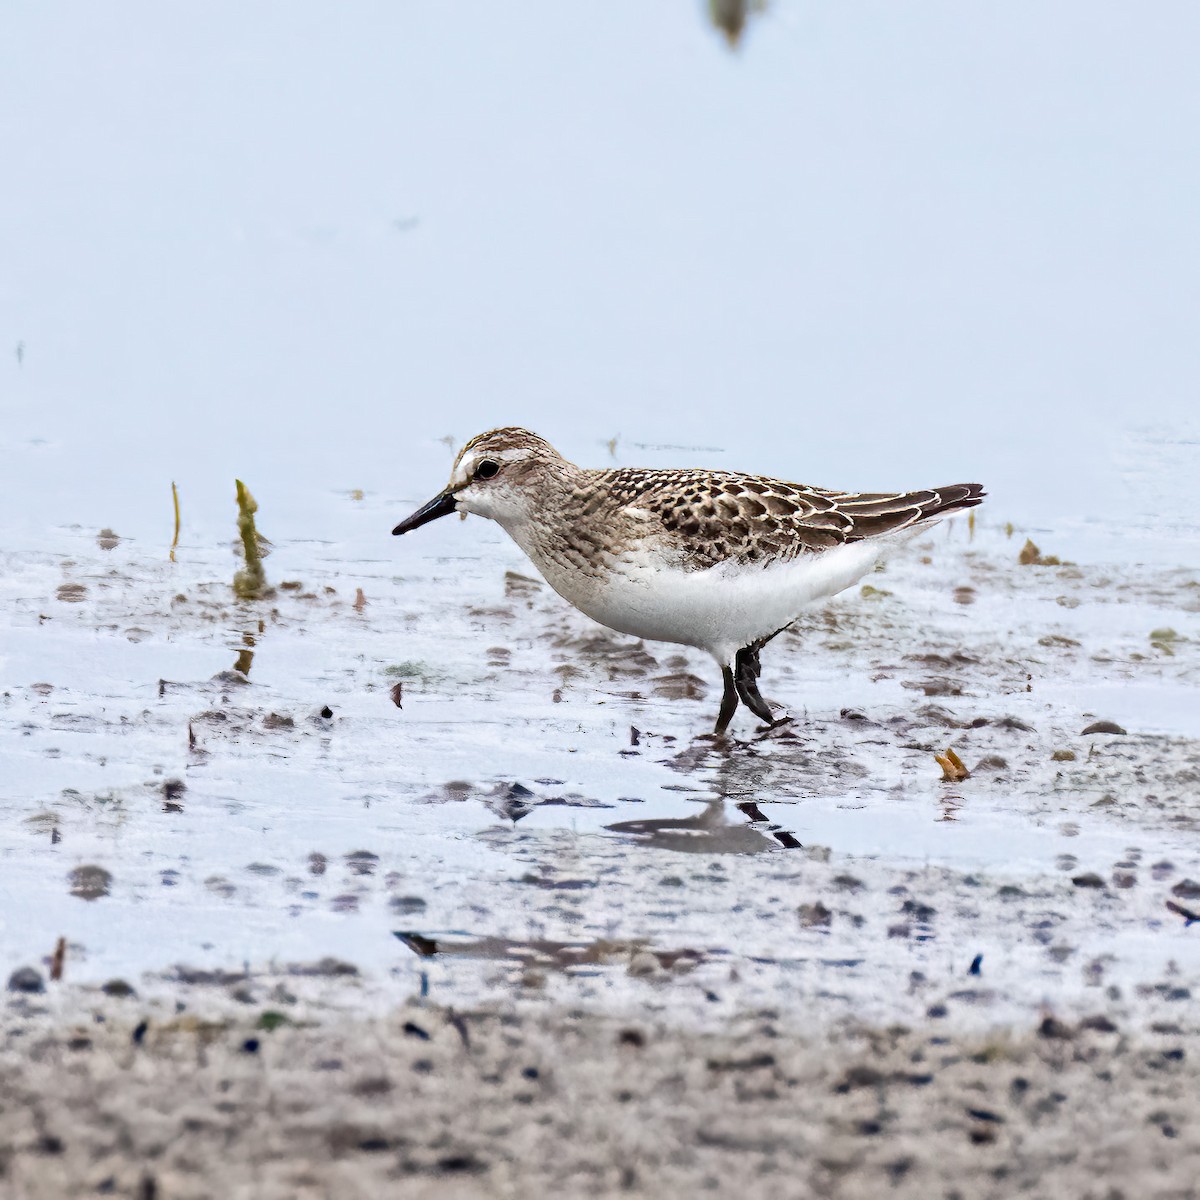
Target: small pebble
<point>644,965</point>
<point>1103,727</point>
<point>26,979</point>
<point>814,914</point>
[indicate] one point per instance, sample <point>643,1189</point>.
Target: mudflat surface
<point>440,892</point>
<point>427,1102</point>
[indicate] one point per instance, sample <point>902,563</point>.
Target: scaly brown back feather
<point>715,516</point>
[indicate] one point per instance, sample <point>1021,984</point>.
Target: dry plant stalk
<point>175,539</point>
<point>56,961</point>
<point>250,583</point>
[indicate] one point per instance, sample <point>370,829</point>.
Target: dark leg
<point>729,702</point>
<point>746,672</point>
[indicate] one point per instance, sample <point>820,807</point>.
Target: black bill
<point>441,506</point>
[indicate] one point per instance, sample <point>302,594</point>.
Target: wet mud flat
<point>276,822</point>
<point>428,1101</point>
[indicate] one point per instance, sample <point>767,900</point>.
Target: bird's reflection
<point>709,831</point>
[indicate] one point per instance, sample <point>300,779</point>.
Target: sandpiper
<point>713,559</point>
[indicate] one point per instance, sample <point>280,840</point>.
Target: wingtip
<point>958,495</point>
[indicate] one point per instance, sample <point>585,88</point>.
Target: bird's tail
<point>878,514</point>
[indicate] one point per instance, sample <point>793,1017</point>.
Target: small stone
<point>362,862</point>
<point>1103,727</point>
<point>1014,725</point>
<point>1186,889</point>
<point>26,979</point>
<point>1088,880</point>
<point>993,762</point>
<point>816,914</point>
<point>1052,1027</point>
<point>89,882</point>
<point>644,965</point>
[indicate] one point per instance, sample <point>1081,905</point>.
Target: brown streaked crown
<point>508,437</point>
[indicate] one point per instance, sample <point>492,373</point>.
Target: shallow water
<point>546,784</point>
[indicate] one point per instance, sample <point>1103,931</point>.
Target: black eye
<point>487,469</point>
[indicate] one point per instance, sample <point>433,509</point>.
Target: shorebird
<point>718,560</point>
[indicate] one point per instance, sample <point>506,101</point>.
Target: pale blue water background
<point>881,245</point>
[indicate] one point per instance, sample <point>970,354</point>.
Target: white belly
<point>720,609</point>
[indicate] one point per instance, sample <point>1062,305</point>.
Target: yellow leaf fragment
<point>953,768</point>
